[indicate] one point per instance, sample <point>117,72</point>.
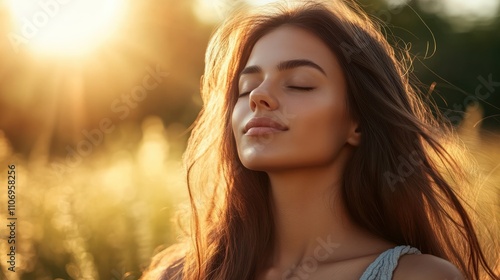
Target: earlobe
<point>355,136</point>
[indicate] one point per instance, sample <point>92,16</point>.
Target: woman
<point>314,158</point>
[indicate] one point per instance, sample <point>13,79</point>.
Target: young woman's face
<point>291,111</point>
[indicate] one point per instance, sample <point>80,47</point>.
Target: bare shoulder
<point>166,264</point>
<point>428,267</point>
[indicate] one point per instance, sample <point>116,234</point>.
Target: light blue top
<point>383,267</point>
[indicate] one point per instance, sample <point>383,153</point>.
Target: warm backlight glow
<point>212,11</point>
<point>63,26</point>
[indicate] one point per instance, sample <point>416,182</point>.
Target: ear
<point>354,137</point>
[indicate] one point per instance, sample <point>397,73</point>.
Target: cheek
<point>324,130</point>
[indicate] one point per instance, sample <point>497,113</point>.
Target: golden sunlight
<point>212,11</point>
<point>63,27</point>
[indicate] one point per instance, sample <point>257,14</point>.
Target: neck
<point>311,220</point>
<point>308,212</point>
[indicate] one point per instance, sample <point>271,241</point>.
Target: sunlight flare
<point>63,26</point>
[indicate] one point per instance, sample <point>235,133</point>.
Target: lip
<point>263,125</point>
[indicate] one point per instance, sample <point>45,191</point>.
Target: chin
<point>260,163</point>
<point>267,164</point>
<point>256,165</point>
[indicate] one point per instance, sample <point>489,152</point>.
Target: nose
<point>260,98</point>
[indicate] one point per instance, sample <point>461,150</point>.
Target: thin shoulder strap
<point>383,267</point>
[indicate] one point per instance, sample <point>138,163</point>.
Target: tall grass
<point>104,217</point>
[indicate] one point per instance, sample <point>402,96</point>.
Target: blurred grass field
<point>103,218</point>
<point>106,217</point>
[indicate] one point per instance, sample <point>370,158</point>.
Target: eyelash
<point>301,88</point>
<point>290,87</point>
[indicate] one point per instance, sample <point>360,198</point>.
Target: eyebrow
<point>285,65</point>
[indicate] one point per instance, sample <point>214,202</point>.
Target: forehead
<point>289,42</point>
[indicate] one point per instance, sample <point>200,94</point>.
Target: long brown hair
<point>401,183</point>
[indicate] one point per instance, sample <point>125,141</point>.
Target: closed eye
<point>290,87</point>
<point>300,88</point>
<point>243,94</point>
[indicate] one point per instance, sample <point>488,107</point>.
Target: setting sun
<point>63,27</point>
